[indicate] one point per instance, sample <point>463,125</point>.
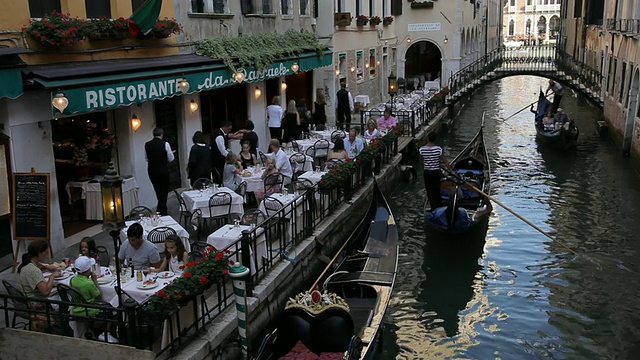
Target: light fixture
<point>446,40</point>
<point>183,85</point>
<point>60,102</point>
<point>408,40</point>
<point>193,105</point>
<point>393,84</point>
<point>257,92</point>
<point>337,72</point>
<point>295,67</point>
<point>283,86</point>
<point>113,213</point>
<point>352,68</point>
<point>239,75</point>
<point>135,123</point>
<point>378,62</point>
<point>366,65</point>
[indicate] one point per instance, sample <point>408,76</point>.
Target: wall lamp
<point>193,106</point>
<point>257,92</point>
<point>295,67</point>
<point>60,102</point>
<point>135,123</point>
<point>446,40</point>
<point>239,75</point>
<point>183,85</point>
<point>283,86</point>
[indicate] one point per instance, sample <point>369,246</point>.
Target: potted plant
<point>165,27</point>
<point>362,20</point>
<point>121,28</point>
<point>57,29</point>
<point>375,20</point>
<point>100,28</point>
<point>422,4</point>
<point>388,20</point>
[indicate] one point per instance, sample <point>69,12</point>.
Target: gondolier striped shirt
<point>431,157</point>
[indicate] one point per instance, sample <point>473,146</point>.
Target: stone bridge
<point>546,61</point>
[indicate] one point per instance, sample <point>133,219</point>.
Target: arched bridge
<point>546,61</point>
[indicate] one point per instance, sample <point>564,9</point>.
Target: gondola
<point>472,169</point>
<point>343,319</point>
<point>563,138</point>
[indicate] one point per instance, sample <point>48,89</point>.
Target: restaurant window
<point>342,6</point>
<point>286,7</point>
<point>98,8</point>
<point>358,7</point>
<point>342,68</point>
<point>267,8</point>
<point>512,3</point>
<point>385,8</point>
<point>512,26</point>
<point>38,8</point>
<point>372,8</point>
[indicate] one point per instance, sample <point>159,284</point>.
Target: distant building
<point>531,21</point>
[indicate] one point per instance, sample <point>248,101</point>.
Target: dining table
<point>305,144</point>
<point>164,221</point>
<point>253,176</point>
<point>199,199</point>
<point>294,205</point>
<point>228,235</point>
<point>313,176</point>
<point>321,134</point>
<point>90,192</point>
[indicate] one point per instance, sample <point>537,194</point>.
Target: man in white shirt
<point>353,144</point>
<point>558,91</point>
<point>159,155</point>
<point>282,160</point>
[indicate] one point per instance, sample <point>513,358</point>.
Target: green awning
<point>86,94</point>
<point>11,85</point>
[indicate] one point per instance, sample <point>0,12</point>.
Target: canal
<point>526,297</point>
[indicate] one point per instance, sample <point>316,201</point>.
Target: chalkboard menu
<point>31,206</point>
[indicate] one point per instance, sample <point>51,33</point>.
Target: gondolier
<point>558,91</point>
<point>432,155</point>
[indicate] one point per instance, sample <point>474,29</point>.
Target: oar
<point>472,187</point>
<point>521,110</point>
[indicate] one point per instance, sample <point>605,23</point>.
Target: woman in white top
<point>372,131</point>
<point>274,118</point>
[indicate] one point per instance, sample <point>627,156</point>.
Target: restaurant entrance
<point>300,86</point>
<point>166,115</point>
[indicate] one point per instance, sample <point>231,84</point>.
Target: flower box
<point>362,20</point>
<point>422,5</point>
<point>375,20</point>
<point>388,20</point>
<point>57,30</point>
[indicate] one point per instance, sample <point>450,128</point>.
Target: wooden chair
<point>202,183</point>
<point>159,234</point>
<point>135,213</point>
<point>103,254</point>
<point>219,210</point>
<point>20,305</point>
<point>185,214</point>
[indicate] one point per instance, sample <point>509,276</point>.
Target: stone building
<point>531,21</point>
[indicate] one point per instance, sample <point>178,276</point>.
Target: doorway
<point>166,115</point>
<point>229,103</point>
<point>423,62</point>
<point>299,86</point>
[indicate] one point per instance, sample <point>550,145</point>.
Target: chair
<point>263,158</point>
<point>302,184</point>
<point>157,235</point>
<point>202,183</point>
<point>71,295</point>
<point>297,161</point>
<point>219,210</point>
<point>242,189</point>
<point>272,205</point>
<point>195,225</point>
<point>146,319</point>
<point>321,151</point>
<point>137,211</point>
<point>200,246</point>
<point>273,183</point>
<point>103,255</point>
<point>195,255</point>
<point>295,146</point>
<point>216,176</point>
<point>341,134</point>
<point>252,217</point>
<point>19,303</point>
<point>185,214</point>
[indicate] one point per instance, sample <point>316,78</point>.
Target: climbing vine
<point>259,50</point>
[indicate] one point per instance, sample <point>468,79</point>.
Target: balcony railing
<point>625,26</point>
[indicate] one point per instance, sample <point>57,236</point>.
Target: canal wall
<point>286,278</point>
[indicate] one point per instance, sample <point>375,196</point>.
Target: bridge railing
<point>474,71</point>
<point>586,75</point>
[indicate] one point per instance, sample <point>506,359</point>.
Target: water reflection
<point>526,297</point>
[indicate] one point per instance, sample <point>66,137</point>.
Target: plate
<point>105,279</point>
<point>166,274</point>
<point>143,286</point>
<point>62,276</point>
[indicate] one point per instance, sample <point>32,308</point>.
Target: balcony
<point>624,26</point>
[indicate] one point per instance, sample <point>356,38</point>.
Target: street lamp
<point>392,87</point>
<point>113,213</point>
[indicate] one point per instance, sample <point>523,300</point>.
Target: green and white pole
<point>238,272</point>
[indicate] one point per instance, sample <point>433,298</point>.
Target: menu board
<point>31,206</point>
<point>5,207</point>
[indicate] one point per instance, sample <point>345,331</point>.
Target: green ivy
<point>259,50</point>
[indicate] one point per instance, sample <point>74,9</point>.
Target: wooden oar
<point>472,187</point>
<point>519,111</point>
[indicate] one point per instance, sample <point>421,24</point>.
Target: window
<point>512,3</point>
<point>622,79</point>
<point>285,7</point>
<point>360,66</point>
<point>209,6</point>
<point>512,25</point>
<point>38,8</point>
<point>304,7</point>
<point>358,7</point>
<point>372,63</point>
<point>219,6</point>
<point>529,2</point>
<point>577,9</point>
<point>266,7</point>
<point>98,8</point>
<point>372,8</point>
<point>396,7</point>
<point>385,9</point>
<point>527,27</point>
<point>342,68</point>
<point>342,6</point>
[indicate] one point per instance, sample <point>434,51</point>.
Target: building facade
<point>531,21</point>
<point>605,35</point>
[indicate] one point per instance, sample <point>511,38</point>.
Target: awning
<point>116,83</point>
<point>10,64</point>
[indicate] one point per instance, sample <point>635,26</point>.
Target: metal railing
<point>625,26</point>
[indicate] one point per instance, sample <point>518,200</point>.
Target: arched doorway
<point>554,27</point>
<point>633,111</point>
<point>542,27</point>
<point>423,61</point>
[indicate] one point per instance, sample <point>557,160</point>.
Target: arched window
<point>512,25</point>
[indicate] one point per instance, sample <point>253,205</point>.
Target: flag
<point>143,19</point>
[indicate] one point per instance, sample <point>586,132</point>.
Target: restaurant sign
<point>100,97</point>
<point>424,27</point>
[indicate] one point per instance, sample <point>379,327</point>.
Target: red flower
<point>181,267</point>
<point>231,262</point>
<point>227,251</point>
<point>187,274</point>
<point>358,161</point>
<point>179,296</point>
<point>161,293</point>
<point>210,248</point>
<point>347,159</point>
<point>321,182</point>
<point>225,271</point>
<point>219,256</point>
<point>335,172</point>
<point>204,280</point>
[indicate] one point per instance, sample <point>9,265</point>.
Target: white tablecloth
<point>93,196</point>
<point>227,235</point>
<point>254,182</point>
<point>167,221</point>
<point>324,134</point>
<point>312,176</point>
<point>308,163</point>
<point>194,199</point>
<point>307,143</point>
<point>363,99</point>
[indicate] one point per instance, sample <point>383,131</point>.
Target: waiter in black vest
<point>159,155</point>
<point>344,107</point>
<point>219,150</point>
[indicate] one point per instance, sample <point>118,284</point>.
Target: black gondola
<point>472,169</point>
<point>344,319</point>
<point>562,138</point>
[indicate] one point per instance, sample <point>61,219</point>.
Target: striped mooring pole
<point>238,273</point>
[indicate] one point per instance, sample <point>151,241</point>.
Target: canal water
<point>526,297</point>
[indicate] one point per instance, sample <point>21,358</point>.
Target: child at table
<point>271,188</point>
<point>88,248</point>
<point>176,256</point>
<point>232,170</point>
